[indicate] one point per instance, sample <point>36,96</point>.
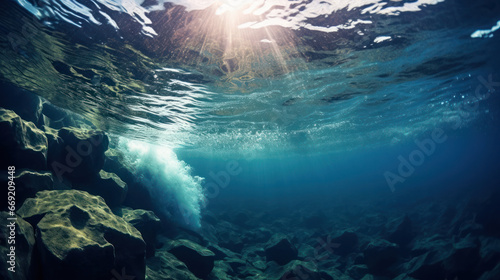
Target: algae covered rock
<point>16,264</point>
<point>78,237</point>
<point>147,223</point>
<point>28,183</point>
<point>280,250</point>
<point>22,144</point>
<point>26,104</point>
<point>199,260</point>
<point>106,185</point>
<point>165,266</point>
<point>77,154</point>
<point>138,195</point>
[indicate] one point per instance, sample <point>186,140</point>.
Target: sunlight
<point>228,6</point>
<point>241,53</point>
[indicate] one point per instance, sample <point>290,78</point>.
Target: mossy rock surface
<point>77,154</point>
<point>22,144</point>
<point>78,237</point>
<point>24,244</point>
<point>198,259</point>
<point>165,266</point>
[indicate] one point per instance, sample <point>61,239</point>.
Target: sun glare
<point>228,6</point>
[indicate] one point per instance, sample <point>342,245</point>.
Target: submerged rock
<point>427,266</point>
<point>56,117</point>
<point>78,237</point>
<point>490,222</point>
<point>400,231</point>
<point>165,266</point>
<point>357,271</point>
<point>297,270</point>
<point>200,261</point>
<point>24,244</point>
<point>106,185</point>
<point>77,154</point>
<point>344,243</point>
<point>463,259</point>
<point>147,223</point>
<point>25,104</point>
<point>138,196</point>
<point>280,250</point>
<point>27,184</point>
<point>492,274</point>
<point>220,253</point>
<point>22,144</point>
<point>379,255</point>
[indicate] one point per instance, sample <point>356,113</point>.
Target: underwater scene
<point>239,139</point>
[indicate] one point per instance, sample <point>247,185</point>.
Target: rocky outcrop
<point>345,242</point>
<point>147,223</point>
<point>400,231</point>
<point>490,222</point>
<point>26,104</point>
<point>78,237</point>
<point>297,270</point>
<point>28,183</point>
<point>77,155</point>
<point>22,144</point>
<point>57,117</point>
<point>379,255</point>
<point>165,266</point>
<point>106,185</point>
<point>16,264</point>
<point>280,250</point>
<point>138,196</point>
<point>200,261</point>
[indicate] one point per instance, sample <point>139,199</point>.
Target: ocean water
<point>273,105</point>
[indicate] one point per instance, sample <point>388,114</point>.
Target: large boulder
<point>78,237</point>
<point>22,144</point>
<point>345,243</point>
<point>379,255</point>
<point>493,274</point>
<point>280,250</point>
<point>428,266</point>
<point>296,270</point>
<point>448,260</point>
<point>26,104</point>
<point>400,231</point>
<point>138,195</point>
<point>430,252</point>
<point>77,154</point>
<point>57,118</point>
<point>464,259</point>
<point>147,223</point>
<point>24,242</point>
<point>199,260</point>
<point>106,185</point>
<point>28,183</point>
<point>165,266</point>
<point>490,222</point>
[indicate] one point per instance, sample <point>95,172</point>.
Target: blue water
<point>259,102</point>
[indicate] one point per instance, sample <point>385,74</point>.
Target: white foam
<point>174,190</point>
<point>380,39</point>
<point>485,33</point>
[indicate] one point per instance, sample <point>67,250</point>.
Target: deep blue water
<point>307,100</point>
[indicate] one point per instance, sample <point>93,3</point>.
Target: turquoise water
<point>265,100</point>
